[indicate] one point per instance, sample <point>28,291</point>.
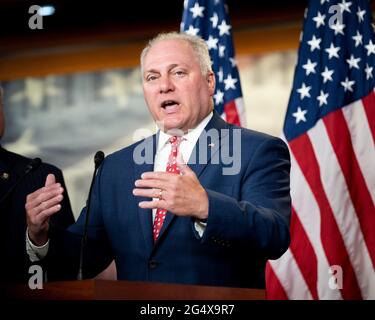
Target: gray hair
<point>198,45</point>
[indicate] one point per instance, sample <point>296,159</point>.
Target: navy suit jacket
<point>248,220</point>
<point>15,262</point>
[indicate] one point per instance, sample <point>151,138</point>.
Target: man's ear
<point>211,82</point>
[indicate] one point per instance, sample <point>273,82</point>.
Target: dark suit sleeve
<point>259,220</point>
<point>64,252</point>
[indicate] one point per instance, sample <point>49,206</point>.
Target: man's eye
<point>180,73</point>
<point>151,78</point>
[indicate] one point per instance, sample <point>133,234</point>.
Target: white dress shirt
<point>186,147</point>
<point>160,164</point>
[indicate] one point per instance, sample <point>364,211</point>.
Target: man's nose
<point>166,85</point>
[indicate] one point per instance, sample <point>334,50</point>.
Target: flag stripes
<point>302,248</point>
<point>329,128</point>
<point>333,245</point>
<point>360,197</point>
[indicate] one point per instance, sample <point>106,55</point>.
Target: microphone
<point>31,166</point>
<point>98,159</point>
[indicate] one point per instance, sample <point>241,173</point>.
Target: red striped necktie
<point>172,168</point>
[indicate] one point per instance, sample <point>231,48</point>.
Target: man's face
<point>176,92</point>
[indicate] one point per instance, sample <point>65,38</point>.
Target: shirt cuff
<point>34,252</point>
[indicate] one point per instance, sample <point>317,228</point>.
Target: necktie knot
<point>175,141</point>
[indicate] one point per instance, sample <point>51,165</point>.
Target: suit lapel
<point>208,144</point>
<point>145,215</point>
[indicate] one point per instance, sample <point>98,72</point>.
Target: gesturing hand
<point>40,205</point>
<point>182,194</point>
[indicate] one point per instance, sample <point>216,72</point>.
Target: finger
<point>151,183</point>
<point>155,204</point>
<point>43,197</point>
<point>40,191</point>
<point>157,175</point>
<point>151,193</point>
<point>45,214</point>
<point>42,216</point>
<point>45,205</point>
<point>50,180</point>
<point>34,210</point>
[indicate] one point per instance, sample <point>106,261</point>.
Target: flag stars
<point>360,14</point>
<point>338,27</point>
<point>358,39</point>
<point>197,11</point>
<point>309,67</point>
<point>368,71</point>
<point>327,75</point>
<point>224,28</point>
<point>345,6</point>
<point>348,84</point>
<point>322,98</point>
<point>353,62</point>
<point>370,47</point>
<point>220,74</point>
<point>319,20</point>
<point>212,42</point>
<point>214,20</point>
<point>221,51</point>
<point>300,115</point>
<point>304,91</point>
<point>314,43</point>
<point>333,51</point>
<point>233,62</point>
<point>230,82</point>
<point>219,97</point>
<point>305,13</point>
<point>192,31</point>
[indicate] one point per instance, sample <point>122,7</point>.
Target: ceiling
<point>88,16</point>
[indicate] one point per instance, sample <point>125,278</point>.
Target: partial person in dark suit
<point>15,262</point>
<point>213,221</point>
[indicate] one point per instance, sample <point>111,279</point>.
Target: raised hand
<point>40,205</point>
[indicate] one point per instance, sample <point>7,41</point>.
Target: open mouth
<point>170,106</point>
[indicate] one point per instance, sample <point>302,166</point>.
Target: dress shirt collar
<point>192,135</point>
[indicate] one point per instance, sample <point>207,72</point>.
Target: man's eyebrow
<point>151,71</point>
<point>169,67</point>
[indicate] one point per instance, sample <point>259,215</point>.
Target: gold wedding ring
<point>160,194</point>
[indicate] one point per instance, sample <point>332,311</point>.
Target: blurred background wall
<point>74,87</point>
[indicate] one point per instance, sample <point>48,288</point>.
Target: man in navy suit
<point>15,262</point>
<point>201,202</point>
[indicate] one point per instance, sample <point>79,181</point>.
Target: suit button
<point>152,264</point>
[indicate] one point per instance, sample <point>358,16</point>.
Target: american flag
<point>330,128</point>
<point>209,19</point>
